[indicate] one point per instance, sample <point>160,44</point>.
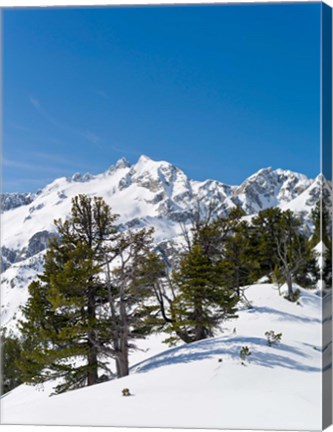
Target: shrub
<point>294,296</point>
<point>126,392</point>
<point>244,353</point>
<point>273,338</point>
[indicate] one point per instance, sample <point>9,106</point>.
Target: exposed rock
<point>38,243</point>
<point>9,201</point>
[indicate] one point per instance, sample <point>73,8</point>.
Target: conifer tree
<point>238,264</point>
<point>202,301</point>
<point>320,219</point>
<point>130,287</point>
<point>11,348</point>
<point>294,251</point>
<point>63,319</point>
<point>263,233</point>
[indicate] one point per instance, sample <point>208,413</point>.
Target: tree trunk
<point>92,377</point>
<point>123,369</point>
<point>199,329</point>
<point>290,285</point>
<point>92,364</point>
<point>122,364</point>
<point>237,282</point>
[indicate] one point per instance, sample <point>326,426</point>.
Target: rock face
<point>148,193</point>
<point>9,201</point>
<point>151,192</point>
<point>8,257</point>
<point>269,188</point>
<point>38,243</point>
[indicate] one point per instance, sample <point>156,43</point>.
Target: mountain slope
<point>188,386</point>
<point>148,193</point>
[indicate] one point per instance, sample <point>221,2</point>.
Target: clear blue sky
<point>220,91</point>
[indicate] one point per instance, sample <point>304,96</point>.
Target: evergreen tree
<point>294,252</point>
<point>263,233</point>
<point>11,348</point>
<point>130,287</point>
<point>63,318</point>
<point>238,264</point>
<point>327,265</point>
<point>202,301</point>
<point>282,248</point>
<point>320,219</point>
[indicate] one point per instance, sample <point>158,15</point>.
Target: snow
<point>134,191</point>
<point>279,387</point>
<point>187,386</point>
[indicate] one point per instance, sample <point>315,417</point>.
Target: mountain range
<point>148,193</point>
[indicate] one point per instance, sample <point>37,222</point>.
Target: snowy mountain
<point>148,193</point>
<point>204,384</point>
<point>10,201</point>
<point>270,188</point>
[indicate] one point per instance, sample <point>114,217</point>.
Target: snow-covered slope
<point>269,188</point>
<point>204,384</point>
<point>149,193</point>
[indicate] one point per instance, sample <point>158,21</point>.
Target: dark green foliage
<point>327,265</point>
<point>11,348</point>
<point>202,301</point>
<point>91,301</point>
<point>321,222</point>
<point>283,250</point>
<point>63,322</point>
<point>264,232</point>
<point>238,264</point>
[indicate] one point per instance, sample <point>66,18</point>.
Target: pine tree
<point>295,254</point>
<point>11,348</point>
<point>202,301</point>
<point>130,287</point>
<point>238,264</point>
<point>320,219</point>
<point>63,319</point>
<point>263,233</point>
<point>327,267</point>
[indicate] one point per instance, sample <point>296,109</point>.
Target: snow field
<point>279,387</point>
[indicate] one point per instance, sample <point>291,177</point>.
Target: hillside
<point>149,193</point>
<point>188,386</point>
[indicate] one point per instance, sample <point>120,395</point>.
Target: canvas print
<point>166,254</point>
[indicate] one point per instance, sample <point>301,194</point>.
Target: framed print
<point>166,216</point>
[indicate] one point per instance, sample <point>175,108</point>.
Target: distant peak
<point>264,170</point>
<point>123,163</point>
<point>144,158</point>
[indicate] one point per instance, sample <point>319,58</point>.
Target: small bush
<point>244,353</point>
<point>273,338</point>
<point>294,296</point>
<point>126,392</point>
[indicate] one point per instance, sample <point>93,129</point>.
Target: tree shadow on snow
<point>217,347</point>
<point>284,316</point>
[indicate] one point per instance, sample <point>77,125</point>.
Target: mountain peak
<point>143,158</point>
<point>122,163</point>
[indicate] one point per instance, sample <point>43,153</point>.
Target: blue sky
<point>220,91</point>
